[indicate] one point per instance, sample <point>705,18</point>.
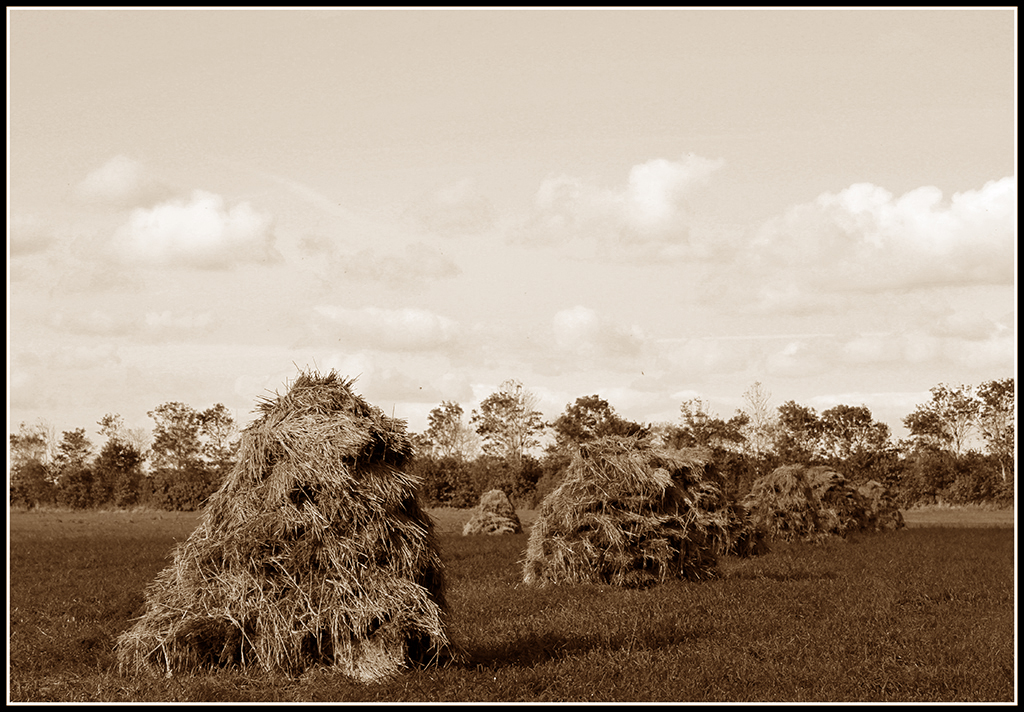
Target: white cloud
<point>582,332</point>
<point>390,329</point>
<point>201,233</point>
<point>120,182</point>
<point>865,239</point>
<point>650,212</point>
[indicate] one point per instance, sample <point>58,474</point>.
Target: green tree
<point>117,472</point>
<point>31,475</point>
<point>74,474</point>
<point>508,422</point>
<point>847,430</point>
<point>447,435</point>
<point>591,417</point>
<point>191,451</point>
<point>947,420</point>
<point>176,441</point>
<point>996,421</point>
<point>798,432</point>
<point>759,431</point>
<point>699,427</point>
<point>218,437</point>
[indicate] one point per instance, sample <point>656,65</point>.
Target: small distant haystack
<point>630,514</point>
<point>495,515</point>
<point>796,502</point>
<point>314,552</point>
<point>883,513</point>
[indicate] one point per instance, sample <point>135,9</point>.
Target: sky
<point>645,205</point>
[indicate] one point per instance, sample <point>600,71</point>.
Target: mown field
<point>924,614</point>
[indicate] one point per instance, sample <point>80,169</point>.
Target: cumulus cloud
<point>28,235</point>
<point>865,239</point>
<point>455,210</point>
<point>583,332</point>
<point>121,182</point>
<point>650,211</point>
<point>390,329</point>
<point>202,233</point>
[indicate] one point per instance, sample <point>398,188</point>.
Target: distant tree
<point>33,442</point>
<point>191,452</point>
<point>591,417</point>
<point>447,435</point>
<point>112,426</point>
<point>74,473</point>
<point>218,437</point>
<point>997,417</point>
<point>947,420</point>
<point>117,472</point>
<point>798,432</point>
<point>176,441</point>
<point>847,430</point>
<point>508,422</point>
<point>30,484</point>
<point>759,431</point>
<point>699,427</point>
<point>31,474</point>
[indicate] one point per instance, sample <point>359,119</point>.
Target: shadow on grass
<point>534,648</point>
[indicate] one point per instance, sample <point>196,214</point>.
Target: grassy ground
<point>925,614</point>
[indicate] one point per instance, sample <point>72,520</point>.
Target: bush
<point>30,485</point>
<point>74,489</point>
<point>179,490</point>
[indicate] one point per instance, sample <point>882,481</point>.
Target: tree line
<point>960,449</point>
<point>176,467</point>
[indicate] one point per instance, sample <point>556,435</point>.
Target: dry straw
<point>313,553</point>
<point>630,514</point>
<point>796,502</point>
<point>494,515</point>
<point>883,512</point>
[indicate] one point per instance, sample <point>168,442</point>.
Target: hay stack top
<point>314,552</point>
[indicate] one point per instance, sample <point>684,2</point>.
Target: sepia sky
<point>644,205</point>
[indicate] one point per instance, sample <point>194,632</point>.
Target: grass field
<point>924,614</point>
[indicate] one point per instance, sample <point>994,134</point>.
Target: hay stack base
<point>495,515</point>
<point>630,514</point>
<point>313,553</point>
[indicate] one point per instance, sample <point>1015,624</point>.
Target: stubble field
<point>923,614</point>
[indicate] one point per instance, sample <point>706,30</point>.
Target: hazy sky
<point>644,205</point>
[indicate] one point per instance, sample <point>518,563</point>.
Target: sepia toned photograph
<point>511,355</point>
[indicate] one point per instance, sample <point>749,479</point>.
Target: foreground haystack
<point>630,514</point>
<point>495,515</point>
<point>796,502</point>
<point>314,552</point>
